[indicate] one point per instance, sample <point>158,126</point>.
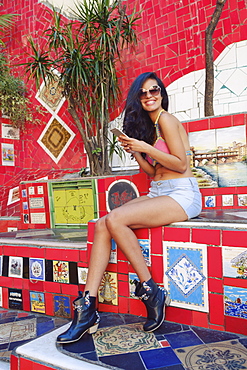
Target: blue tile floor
<point>121,343</point>
<point>19,327</point>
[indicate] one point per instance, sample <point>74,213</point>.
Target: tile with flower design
<point>215,356</point>
<point>185,278</point>
<point>124,339</point>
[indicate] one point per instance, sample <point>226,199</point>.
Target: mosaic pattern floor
<point>19,327</point>
<point>120,343</point>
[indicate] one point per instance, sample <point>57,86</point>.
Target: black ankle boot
<point>86,319</point>
<point>155,300</point>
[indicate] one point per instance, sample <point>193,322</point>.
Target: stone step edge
<point>44,350</point>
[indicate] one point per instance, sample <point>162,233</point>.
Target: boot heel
<point>93,329</point>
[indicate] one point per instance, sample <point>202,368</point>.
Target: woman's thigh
<point>148,212</point>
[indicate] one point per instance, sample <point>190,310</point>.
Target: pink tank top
<point>159,142</point>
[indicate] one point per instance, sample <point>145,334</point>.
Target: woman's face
<point>151,101</point>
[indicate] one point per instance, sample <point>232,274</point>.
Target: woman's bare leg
<point>99,258</point>
<point>119,225</point>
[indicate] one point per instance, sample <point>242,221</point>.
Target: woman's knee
<point>100,224</point>
<point>112,220</point>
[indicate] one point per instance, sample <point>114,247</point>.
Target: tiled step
<point>42,354</point>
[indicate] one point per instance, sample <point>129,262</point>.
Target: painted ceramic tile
<point>36,269</point>
<point>214,356</point>
<point>56,138</point>
<point>1,265</point>
<point>73,206</point>
<point>10,132</point>
<point>11,229</point>
<point>82,274</point>
<point>120,192</point>
<point>36,203</point>
<point>24,193</point>
<point>219,156</point>
<point>227,200</point>
<point>235,301</point>
<point>235,262</point>
<point>25,206</point>
<point>31,190</point>
<point>132,277</point>
<point>8,154</point>
<point>38,218</point>
<point>231,155</point>
<point>50,95</point>
<point>127,338</point>
<point>108,290</point>
<point>18,331</point>
<point>14,195</point>
<point>15,267</point>
<point>203,145</point>
<point>185,267</point>
<point>209,201</point>
<point>26,218</point>
<point>113,255</point>
<point>61,272</point>
<point>40,189</point>
<point>15,299</point>
<point>145,247</point>
<point>62,306</point>
<point>37,302</point>
<point>242,200</point>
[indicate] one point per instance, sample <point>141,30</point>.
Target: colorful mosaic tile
<point>108,290</point>
<point>122,339</point>
<point>55,138</point>
<point>185,266</point>
<point>50,96</point>
<point>215,356</point>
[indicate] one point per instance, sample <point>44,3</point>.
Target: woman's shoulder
<point>167,119</point>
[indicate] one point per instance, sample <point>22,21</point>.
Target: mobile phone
<point>117,132</point>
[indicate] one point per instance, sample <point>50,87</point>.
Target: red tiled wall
<point>171,41</point>
<point>214,239</point>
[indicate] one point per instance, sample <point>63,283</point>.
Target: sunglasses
<point>153,91</point>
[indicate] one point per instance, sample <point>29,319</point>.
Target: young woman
<point>159,143</point>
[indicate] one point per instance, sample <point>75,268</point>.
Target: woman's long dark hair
<point>137,123</point>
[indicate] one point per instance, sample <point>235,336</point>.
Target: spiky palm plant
<point>85,51</point>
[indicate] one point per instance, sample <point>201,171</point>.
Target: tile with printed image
<point>242,200</point>
<point>185,274</point>
<point>62,306</point>
<point>82,275</point>
<point>234,262</point>
<point>24,193</point>
<point>235,301</point>
<point>132,277</point>
<point>227,200</point>
<point>146,250</point>
<point>15,299</point>
<point>15,266</point>
<point>113,255</point>
<point>37,302</point>
<point>108,290</point>
<point>210,201</point>
<point>36,269</point>
<point>61,272</point>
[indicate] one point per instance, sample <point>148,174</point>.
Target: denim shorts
<point>184,191</point>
